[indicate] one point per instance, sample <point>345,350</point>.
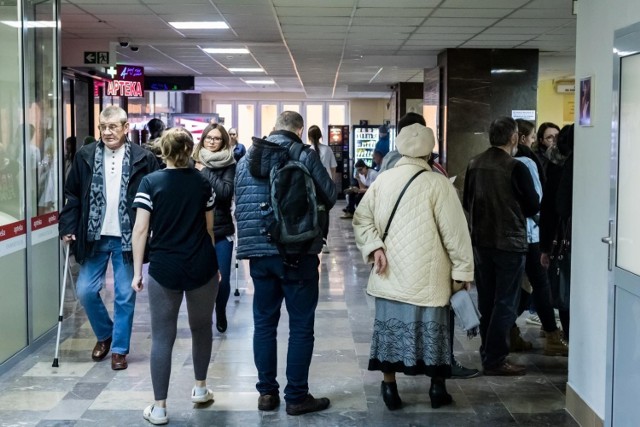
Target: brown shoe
<point>268,402</point>
<point>101,350</point>
<point>506,369</point>
<point>517,343</point>
<point>554,344</point>
<point>118,361</point>
<point>309,404</point>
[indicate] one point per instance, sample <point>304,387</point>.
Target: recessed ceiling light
<point>260,82</point>
<point>226,50</point>
<point>199,25</point>
<point>247,70</point>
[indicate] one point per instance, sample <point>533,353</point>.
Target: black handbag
<point>560,267</point>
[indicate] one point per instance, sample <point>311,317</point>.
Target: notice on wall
<point>529,115</point>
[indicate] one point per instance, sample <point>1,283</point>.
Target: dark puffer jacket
<point>252,191</point>
<point>75,214</point>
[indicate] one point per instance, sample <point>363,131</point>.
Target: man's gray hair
<point>114,112</point>
<point>289,120</point>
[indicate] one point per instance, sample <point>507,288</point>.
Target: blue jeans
<point>274,282</point>
<point>89,283</point>
<point>498,277</point>
<point>224,251</point>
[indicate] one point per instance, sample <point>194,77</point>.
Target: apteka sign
<point>128,81</point>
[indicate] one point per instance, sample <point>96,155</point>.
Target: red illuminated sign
<point>128,81</point>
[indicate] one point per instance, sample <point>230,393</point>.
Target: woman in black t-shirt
<point>176,205</point>
<point>213,157</point>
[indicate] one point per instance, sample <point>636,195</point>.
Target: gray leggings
<point>164,305</point>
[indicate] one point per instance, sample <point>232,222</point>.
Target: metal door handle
<point>609,241</point>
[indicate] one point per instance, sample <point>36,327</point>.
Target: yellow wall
<point>552,106</point>
<point>374,110</point>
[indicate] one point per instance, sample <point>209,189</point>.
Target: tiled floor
<point>83,393</point>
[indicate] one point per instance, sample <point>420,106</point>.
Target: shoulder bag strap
<point>393,212</point>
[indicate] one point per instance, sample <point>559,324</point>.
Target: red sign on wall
<point>43,221</point>
<point>12,230</point>
<point>128,81</point>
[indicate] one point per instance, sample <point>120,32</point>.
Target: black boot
<point>438,393</point>
<point>221,320</point>
<point>390,395</point>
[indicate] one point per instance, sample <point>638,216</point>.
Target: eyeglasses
<point>110,126</point>
<point>212,138</point>
<point>551,137</point>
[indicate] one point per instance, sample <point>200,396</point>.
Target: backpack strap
<point>393,212</point>
<point>295,150</point>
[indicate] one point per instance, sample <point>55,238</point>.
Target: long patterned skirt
<point>410,339</point>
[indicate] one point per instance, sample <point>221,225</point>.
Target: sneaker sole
<point>208,397</point>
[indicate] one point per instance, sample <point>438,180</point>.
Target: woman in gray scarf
<point>214,159</point>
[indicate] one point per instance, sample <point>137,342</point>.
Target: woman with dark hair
<point>328,160</point>
<point>155,127</point>
<point>176,205</point>
<point>555,220</point>
<point>546,138</point>
<point>69,153</point>
<point>213,157</point>
<point>526,140</point>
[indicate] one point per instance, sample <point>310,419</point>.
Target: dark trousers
<point>541,293</point>
<point>498,275</point>
<point>273,283</point>
<point>352,201</point>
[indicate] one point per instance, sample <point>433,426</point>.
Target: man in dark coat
<point>499,195</point>
<point>97,221</point>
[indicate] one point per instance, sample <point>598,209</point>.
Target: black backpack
<point>296,213</point>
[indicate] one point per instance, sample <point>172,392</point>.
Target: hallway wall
<point>590,290</point>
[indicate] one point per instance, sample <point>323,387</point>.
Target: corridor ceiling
<point>322,48</point>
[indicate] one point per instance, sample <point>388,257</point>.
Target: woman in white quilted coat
<point>426,253</point>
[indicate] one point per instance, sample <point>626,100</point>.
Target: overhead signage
<point>96,58</point>
<point>168,82</point>
<point>128,81</point>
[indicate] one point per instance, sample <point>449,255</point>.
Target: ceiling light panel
<point>260,82</point>
<point>247,70</point>
<point>199,25</point>
<point>226,50</point>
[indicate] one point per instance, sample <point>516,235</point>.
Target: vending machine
<point>339,138</point>
<point>364,142</point>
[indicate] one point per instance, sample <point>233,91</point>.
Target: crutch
<point>237,292</point>
<point>64,285</point>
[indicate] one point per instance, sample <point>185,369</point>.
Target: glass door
<point>623,356</point>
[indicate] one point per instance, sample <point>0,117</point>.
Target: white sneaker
<point>155,419</point>
<point>201,398</point>
<point>533,319</point>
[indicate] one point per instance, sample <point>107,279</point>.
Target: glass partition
<point>13,304</point>
<point>43,160</point>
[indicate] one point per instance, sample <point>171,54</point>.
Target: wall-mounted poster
<point>586,93</point>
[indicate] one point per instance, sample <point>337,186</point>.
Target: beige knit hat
<point>415,141</point>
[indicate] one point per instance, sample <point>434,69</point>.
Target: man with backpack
<point>282,193</point>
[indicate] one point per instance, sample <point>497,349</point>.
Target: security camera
<point>123,42</point>
<point>134,48</point>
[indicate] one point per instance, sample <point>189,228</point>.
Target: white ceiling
<point>322,48</point>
